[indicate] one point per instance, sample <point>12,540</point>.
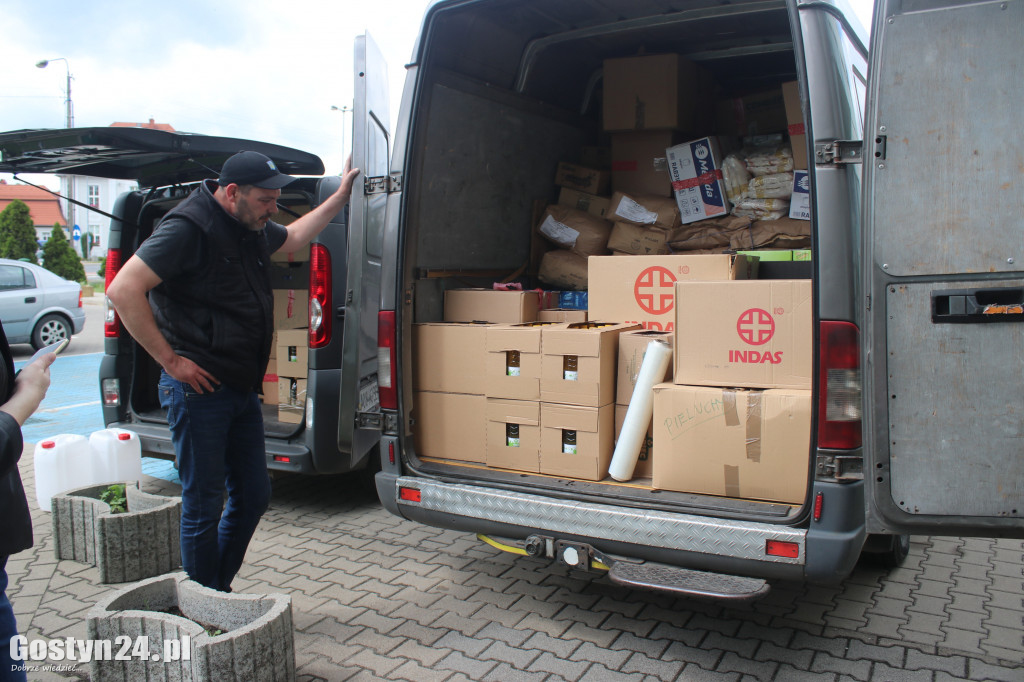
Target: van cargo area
<point>530,120</point>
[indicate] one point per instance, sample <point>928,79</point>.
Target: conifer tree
<point>17,232</point>
<point>60,258</point>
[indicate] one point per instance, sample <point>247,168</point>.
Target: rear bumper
<point>685,540</point>
<point>281,455</point>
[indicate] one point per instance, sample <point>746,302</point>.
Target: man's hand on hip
<point>188,372</point>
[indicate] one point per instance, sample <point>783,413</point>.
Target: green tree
<point>60,258</point>
<point>17,232</point>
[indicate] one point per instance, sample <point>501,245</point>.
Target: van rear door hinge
<point>383,184</point>
<point>838,152</point>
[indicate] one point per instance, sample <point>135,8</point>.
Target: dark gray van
<point>917,194</point>
<point>167,166</point>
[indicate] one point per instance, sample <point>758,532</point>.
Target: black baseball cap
<point>252,168</point>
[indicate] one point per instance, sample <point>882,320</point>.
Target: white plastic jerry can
<point>61,463</point>
<point>117,456</point>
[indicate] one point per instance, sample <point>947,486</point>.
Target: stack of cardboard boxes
<point>737,419</point>
<point>668,134</point>
<point>285,381</point>
<point>496,386</point>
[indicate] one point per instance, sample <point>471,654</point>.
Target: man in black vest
<point>209,322</point>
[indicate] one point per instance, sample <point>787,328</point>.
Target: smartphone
<point>52,348</point>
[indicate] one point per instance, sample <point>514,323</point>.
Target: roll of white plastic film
<point>638,414</point>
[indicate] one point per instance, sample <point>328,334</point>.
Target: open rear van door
<point>359,409</point>
<point>943,264</point>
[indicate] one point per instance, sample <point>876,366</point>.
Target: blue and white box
<point>800,203</point>
<point>695,171</point>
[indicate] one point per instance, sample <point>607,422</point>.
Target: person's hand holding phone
<point>31,383</point>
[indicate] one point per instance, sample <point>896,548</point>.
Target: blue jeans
<point>8,630</point>
<point>218,440</point>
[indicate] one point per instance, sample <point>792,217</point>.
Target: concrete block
<point>139,543</point>
<point>257,643</point>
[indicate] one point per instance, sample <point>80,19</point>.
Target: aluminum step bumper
<point>604,522</point>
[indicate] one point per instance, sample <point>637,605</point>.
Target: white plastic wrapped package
<point>768,160</point>
<point>762,209</point>
<point>735,177</point>
<point>774,186</point>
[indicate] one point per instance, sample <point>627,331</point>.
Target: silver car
<point>37,306</point>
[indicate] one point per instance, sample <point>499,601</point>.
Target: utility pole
<point>69,123</point>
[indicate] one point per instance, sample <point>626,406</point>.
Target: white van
<point>916,199</point>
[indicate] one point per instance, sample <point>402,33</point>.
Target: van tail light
<point>839,388</point>
<point>387,378</point>
<point>319,296</point>
<point>111,321</point>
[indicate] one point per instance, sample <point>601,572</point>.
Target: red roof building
<point>43,206</point>
<point>152,125</point>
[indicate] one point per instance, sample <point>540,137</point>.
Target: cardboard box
<point>795,124</point>
<point>581,201</point>
<point>695,170</point>
<point>578,363</point>
<point>641,289</point>
<point>593,156</point>
<point>639,162</point>
<point>564,269</point>
<point>489,305</point>
<point>742,444</point>
<point>577,231</point>
<point>449,357</point>
<point>757,113</point>
<point>645,460</point>
<point>642,209</point>
<point>632,346</point>
<point>656,92</point>
<point>754,333</point>
<point>562,315</point>
<point>291,308</point>
<point>800,202</point>
<point>801,254</point>
<point>512,360</point>
<point>581,178</point>
<point>768,255</point>
<point>594,431</point>
<point>270,383</point>
<point>451,426</point>
<point>516,448</point>
<point>291,399</point>
<point>292,352</point>
<point>637,240</point>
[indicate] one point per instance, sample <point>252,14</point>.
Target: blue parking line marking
<point>72,405</point>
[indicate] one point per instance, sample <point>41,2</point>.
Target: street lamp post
<point>69,123</point>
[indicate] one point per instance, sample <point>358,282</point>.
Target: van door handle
<point>972,306</point>
<point>30,299</point>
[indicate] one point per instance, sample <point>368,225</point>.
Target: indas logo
<point>755,327</point>
<point>654,290</point>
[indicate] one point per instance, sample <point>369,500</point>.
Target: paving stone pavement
<point>378,597</point>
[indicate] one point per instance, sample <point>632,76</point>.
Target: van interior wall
<point>491,157</point>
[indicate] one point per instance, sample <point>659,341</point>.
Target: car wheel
<point>50,329</point>
<point>887,551</point>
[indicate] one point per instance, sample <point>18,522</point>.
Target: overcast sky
<point>256,69</point>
